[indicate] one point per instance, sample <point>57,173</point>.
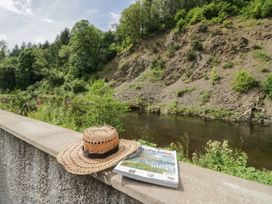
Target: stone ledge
<point>197,185</point>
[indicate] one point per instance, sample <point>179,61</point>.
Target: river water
<point>256,141</point>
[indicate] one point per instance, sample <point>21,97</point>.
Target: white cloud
<point>3,36</point>
<point>47,20</point>
<point>19,7</point>
<point>114,20</point>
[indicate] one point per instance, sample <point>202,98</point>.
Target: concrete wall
<point>28,175</point>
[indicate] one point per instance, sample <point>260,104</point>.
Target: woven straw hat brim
<point>74,161</point>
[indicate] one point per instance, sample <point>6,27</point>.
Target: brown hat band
<point>100,156</point>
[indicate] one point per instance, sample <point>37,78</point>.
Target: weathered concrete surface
<point>197,185</point>
<point>29,175</point>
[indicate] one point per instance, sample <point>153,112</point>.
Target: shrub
<point>7,78</point>
<point>195,16</point>
<point>158,63</point>
<point>205,96</point>
<point>181,24</point>
<point>259,9</point>
<point>170,51</point>
<point>267,86</point>
<point>181,92</point>
<point>220,157</point>
<point>215,78</point>
<point>261,55</point>
<point>197,45</point>
<point>55,78</point>
<point>243,81</point>
<point>180,14</point>
<point>190,55</point>
<point>228,65</point>
<point>78,86</point>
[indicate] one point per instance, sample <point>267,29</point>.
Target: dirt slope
<point>154,72</point>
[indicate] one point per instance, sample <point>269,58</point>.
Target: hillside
<point>191,72</point>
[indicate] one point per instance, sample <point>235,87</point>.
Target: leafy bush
<point>181,24</point>
<point>259,9</point>
<point>261,55</point>
<point>55,78</point>
<point>97,107</point>
<point>197,45</point>
<point>190,55</point>
<point>243,81</point>
<point>7,78</point>
<point>158,63</point>
<point>220,157</point>
<point>267,85</point>
<point>205,96</point>
<point>78,86</point>
<point>181,92</point>
<point>195,16</point>
<point>214,76</point>
<point>228,65</point>
<point>20,103</point>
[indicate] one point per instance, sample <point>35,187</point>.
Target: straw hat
<point>101,148</point>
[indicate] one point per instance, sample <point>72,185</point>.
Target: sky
<point>40,20</point>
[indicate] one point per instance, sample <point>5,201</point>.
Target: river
<point>256,141</point>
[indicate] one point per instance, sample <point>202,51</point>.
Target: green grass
<point>214,76</point>
<point>205,96</point>
<point>228,65</point>
<point>185,90</point>
<point>262,56</point>
<point>243,81</point>
<point>152,75</point>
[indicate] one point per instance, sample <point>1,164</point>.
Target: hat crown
<point>100,139</point>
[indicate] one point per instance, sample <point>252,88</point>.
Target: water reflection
<point>256,141</point>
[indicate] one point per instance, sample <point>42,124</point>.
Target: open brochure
<point>151,165</point>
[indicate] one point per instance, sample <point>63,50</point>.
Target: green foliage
<point>262,56</point>
<point>158,63</point>
<point>228,65</point>
<point>55,78</point>
<point>214,76</point>
<point>196,45</point>
<point>19,102</point>
<point>267,86</point>
<point>7,78</point>
<point>190,55</point>
<point>170,51</point>
<point>29,69</point>
<point>205,96</point>
<point>84,49</point>
<point>259,9</point>
<point>181,24</point>
<point>78,86</point>
<point>220,157</point>
<point>152,75</point>
<point>96,107</point>
<point>185,90</point>
<point>243,81</point>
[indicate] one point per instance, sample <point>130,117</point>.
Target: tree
<point>85,44</point>
<point>29,71</point>
<point>63,38</point>
<point>3,49</point>
<point>7,78</point>
<point>15,51</point>
<point>131,25</point>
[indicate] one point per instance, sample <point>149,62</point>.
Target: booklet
<point>151,165</point>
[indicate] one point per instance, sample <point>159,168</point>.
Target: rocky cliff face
<point>195,68</point>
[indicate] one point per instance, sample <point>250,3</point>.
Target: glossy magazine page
<point>151,165</point>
